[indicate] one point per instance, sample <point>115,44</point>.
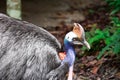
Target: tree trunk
<point>14,8</point>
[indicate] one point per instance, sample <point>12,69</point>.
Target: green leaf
<point>116,48</point>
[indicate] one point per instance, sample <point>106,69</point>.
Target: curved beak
<point>79,42</point>
<point>86,44</point>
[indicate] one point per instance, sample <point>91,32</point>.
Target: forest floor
<point>58,16</point>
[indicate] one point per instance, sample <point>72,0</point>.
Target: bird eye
<point>74,39</point>
<point>77,39</point>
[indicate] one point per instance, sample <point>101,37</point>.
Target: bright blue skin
<point>70,52</point>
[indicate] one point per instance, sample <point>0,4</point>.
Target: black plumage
<point>28,52</point>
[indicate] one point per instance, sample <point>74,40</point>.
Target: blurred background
<point>100,19</point>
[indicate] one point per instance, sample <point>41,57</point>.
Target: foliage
<point>110,37</point>
<point>115,21</point>
<point>114,5</point>
<point>111,41</point>
<point>107,40</point>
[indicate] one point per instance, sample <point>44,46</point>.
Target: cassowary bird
<point>74,37</point>
<point>28,52</point>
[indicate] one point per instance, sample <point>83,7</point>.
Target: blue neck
<point>70,52</point>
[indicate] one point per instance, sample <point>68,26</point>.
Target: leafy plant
<point>110,36</point>
<point>112,44</point>
<point>115,21</point>
<point>114,6</point>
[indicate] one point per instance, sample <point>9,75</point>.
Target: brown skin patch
<point>77,30</point>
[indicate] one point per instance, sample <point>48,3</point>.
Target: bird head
<point>77,36</point>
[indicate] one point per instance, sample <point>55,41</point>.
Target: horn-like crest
<point>78,30</point>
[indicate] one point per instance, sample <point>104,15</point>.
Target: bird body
<point>28,52</point>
